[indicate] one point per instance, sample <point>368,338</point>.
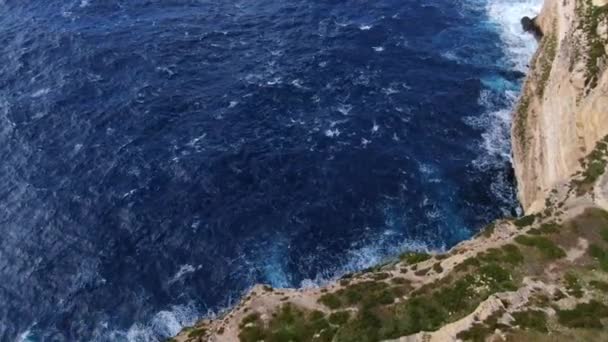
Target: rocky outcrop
<point>563,110</point>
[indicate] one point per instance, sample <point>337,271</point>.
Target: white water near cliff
<point>507,14</point>
<point>518,47</point>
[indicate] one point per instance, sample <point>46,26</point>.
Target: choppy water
<point>159,157</point>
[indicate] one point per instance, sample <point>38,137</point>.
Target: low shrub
<point>547,247</point>
<point>414,257</point>
<point>531,319</point>
<point>339,318</point>
<point>524,221</point>
<point>584,315</point>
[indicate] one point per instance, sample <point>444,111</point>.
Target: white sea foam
<point>41,92</point>
<point>183,270</point>
<point>518,47</point>
<point>344,109</point>
<point>507,14</point>
<point>375,127</point>
<point>331,133</point>
<point>164,324</point>
<point>26,336</point>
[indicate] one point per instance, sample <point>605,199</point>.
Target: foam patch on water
<point>366,255</point>
<point>500,95</point>
<point>164,324</point>
<point>507,14</point>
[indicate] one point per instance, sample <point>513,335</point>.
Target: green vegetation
<point>604,234</point>
<point>373,307</point>
<point>545,228</point>
<point>414,257</point>
<point>367,293</point>
<point>289,324</point>
<point>339,318</point>
<point>521,118</point>
<point>479,331</point>
<point>573,286</point>
<point>197,333</point>
<point>547,247</point>
<point>531,319</point>
<point>591,17</point>
<point>427,309</point>
<point>600,255</point>
<point>508,253</point>
<point>488,230</point>
<point>380,276</point>
<point>594,166</point>
<point>600,285</point>
<point>331,300</point>
<point>524,221</point>
<point>584,315</point>
<point>549,51</point>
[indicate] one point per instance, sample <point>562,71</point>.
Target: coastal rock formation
<point>563,110</point>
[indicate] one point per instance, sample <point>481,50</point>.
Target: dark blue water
<point>160,157</point>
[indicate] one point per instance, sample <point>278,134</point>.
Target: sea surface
<point>158,158</point>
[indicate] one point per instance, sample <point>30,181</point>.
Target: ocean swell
<point>160,159</point>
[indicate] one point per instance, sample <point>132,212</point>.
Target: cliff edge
<point>540,277</point>
<point>563,110</point>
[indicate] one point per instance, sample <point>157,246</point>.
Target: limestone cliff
<point>563,110</point>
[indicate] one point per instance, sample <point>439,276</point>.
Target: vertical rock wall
<point>563,110</point>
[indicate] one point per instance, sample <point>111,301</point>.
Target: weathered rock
<point>529,25</point>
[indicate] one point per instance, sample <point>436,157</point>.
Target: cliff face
<point>563,110</point>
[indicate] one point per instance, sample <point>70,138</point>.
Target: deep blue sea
<point>159,157</point>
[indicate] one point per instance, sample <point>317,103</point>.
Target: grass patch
<point>545,228</point>
<point>573,287</point>
<point>584,315</point>
<point>524,221</point>
<point>428,308</point>
<point>197,333</point>
<point>549,48</point>
<point>600,285</point>
<point>591,17</point>
<point>488,230</point>
<point>594,165</point>
<point>379,276</point>
<point>414,257</point>
<point>600,255</point>
<point>531,320</point>
<point>508,253</point>
<point>339,318</point>
<point>288,324</point>
<point>480,331</point>
<point>367,293</point>
<point>546,247</point>
<point>331,300</point>
<point>520,120</point>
